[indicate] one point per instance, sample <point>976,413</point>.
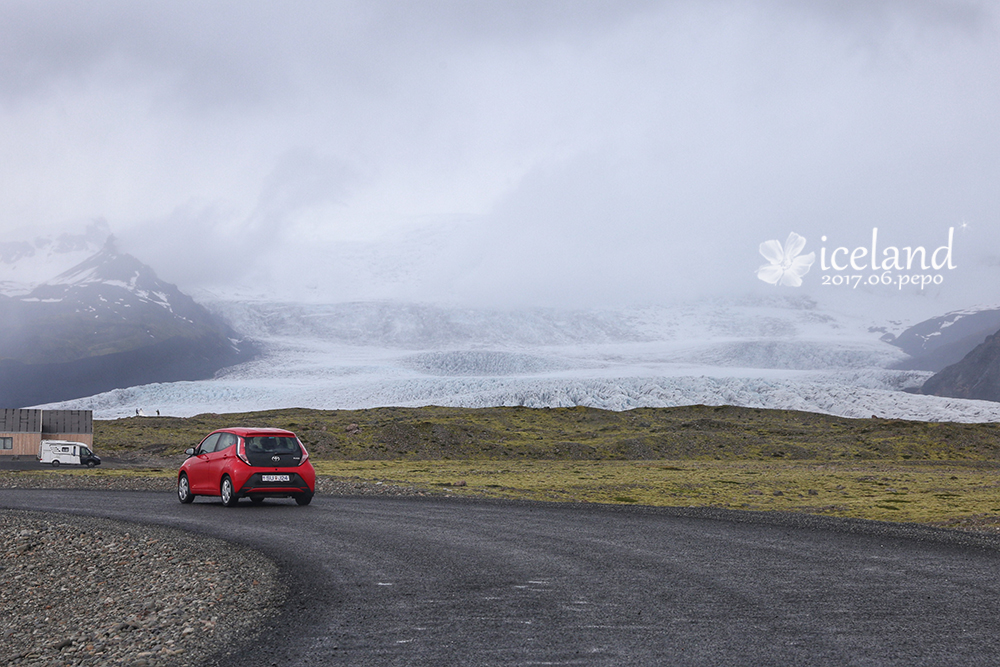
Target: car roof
<point>246,432</point>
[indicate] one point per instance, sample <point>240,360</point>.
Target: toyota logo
<point>275,458</point>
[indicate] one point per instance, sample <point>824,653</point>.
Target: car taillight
<point>241,452</point>
<point>305,454</point>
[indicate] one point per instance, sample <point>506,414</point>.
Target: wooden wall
<point>25,444</point>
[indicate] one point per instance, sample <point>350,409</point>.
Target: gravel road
<point>91,591</point>
<point>429,581</point>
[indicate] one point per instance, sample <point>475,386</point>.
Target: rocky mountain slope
<point>106,323</point>
<point>976,376</point>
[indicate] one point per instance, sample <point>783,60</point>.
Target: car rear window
<point>272,444</point>
<point>272,450</point>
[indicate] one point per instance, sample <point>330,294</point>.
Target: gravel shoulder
<point>84,590</point>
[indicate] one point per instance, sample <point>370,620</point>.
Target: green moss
<point>695,432</point>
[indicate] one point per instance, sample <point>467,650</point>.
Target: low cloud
<point>504,153</point>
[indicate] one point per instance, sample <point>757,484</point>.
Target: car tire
<point>229,497</point>
<point>184,490</point>
<point>91,464</point>
<point>55,464</point>
<point>304,498</point>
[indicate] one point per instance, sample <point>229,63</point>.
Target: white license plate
<point>274,478</point>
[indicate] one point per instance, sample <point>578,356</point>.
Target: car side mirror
<point>189,451</point>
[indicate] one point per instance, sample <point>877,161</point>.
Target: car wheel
<point>304,498</point>
<point>229,498</point>
<point>55,464</point>
<point>90,464</point>
<point>256,500</point>
<point>184,490</point>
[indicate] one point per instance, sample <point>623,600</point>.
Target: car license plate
<point>274,478</point>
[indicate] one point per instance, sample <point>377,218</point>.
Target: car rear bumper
<point>256,486</point>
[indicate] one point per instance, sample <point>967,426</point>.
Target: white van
<point>58,452</point>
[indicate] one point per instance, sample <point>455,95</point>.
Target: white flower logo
<point>786,267</point>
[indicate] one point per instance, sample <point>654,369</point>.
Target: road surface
<point>437,581</point>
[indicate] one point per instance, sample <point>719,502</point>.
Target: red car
<point>255,463</point>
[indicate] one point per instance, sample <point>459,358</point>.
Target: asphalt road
<point>25,463</point>
<point>32,463</point>
<point>421,581</point>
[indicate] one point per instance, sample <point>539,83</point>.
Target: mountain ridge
<point>941,341</point>
<point>107,322</point>
<point>976,376</point>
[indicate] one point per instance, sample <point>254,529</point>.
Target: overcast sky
<point>505,152</point>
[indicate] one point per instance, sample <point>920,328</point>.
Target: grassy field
<point>935,493</point>
<point>740,458</point>
<point>691,432</point>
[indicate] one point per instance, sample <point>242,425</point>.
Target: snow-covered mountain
<point>942,341</point>
<point>107,322</point>
<point>24,265</point>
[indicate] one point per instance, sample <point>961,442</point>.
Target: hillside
<point>976,376</point>
<point>106,323</point>
<point>695,432</point>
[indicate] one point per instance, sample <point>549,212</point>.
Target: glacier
<point>765,352</point>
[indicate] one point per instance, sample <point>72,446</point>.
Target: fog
<point>509,153</point>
